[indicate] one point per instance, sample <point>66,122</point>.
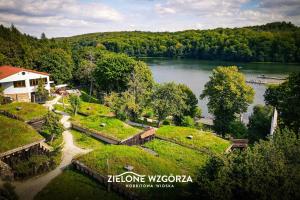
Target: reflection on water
<point>195,73</point>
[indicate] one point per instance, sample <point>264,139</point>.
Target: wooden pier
<point>265,81</point>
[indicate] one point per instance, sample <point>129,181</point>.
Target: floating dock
<point>271,77</point>
<point>264,82</point>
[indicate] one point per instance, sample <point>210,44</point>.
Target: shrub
<point>121,116</point>
<point>149,114</point>
<point>167,122</point>
<point>198,113</point>
<point>260,122</point>
<point>237,129</point>
<point>188,121</point>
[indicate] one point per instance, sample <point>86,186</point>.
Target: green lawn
<point>114,128</point>
<point>86,109</point>
<point>189,161</point>
<point>201,140</point>
<point>29,111</point>
<point>119,156</point>
<point>144,163</point>
<point>71,185</point>
<point>85,141</point>
<point>94,109</point>
<point>60,107</point>
<point>14,133</point>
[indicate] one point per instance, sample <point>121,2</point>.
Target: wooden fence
<point>140,138</point>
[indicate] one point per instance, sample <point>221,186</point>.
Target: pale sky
<point>59,18</point>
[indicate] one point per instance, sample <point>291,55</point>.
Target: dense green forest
<point>274,42</point>
<point>278,41</point>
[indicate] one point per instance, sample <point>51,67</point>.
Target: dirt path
<point>26,190</point>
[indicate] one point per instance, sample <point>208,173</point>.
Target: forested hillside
<point>277,42</point>
<point>22,50</point>
<point>274,42</point>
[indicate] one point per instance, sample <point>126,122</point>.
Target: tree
<point>188,121</point>
<point>167,100</point>
<point>286,98</point>
<point>52,126</point>
<point>140,87</point>
<point>253,173</point>
<point>43,36</point>
<point>191,103</point>
<point>260,123</point>
<point>134,100</point>
<point>237,129</point>
<point>113,72</point>
<point>75,103</point>
<point>41,93</point>
<point>57,62</point>
<point>228,95</point>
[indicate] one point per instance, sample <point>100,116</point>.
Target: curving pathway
<point>26,190</point>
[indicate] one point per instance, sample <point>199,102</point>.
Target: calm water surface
<point>195,73</point>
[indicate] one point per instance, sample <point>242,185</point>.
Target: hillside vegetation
<point>25,111</point>
<point>73,185</point>
<point>276,42</point>
<point>201,140</point>
<point>14,133</point>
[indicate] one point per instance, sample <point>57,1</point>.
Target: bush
<point>199,125</point>
<point>253,173</point>
<point>237,129</point>
<point>167,122</point>
<point>260,123</point>
<point>188,121</point>
<point>148,114</point>
<point>121,116</point>
<point>198,112</point>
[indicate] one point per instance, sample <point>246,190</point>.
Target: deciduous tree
<point>286,98</point>
<point>228,96</point>
<point>52,126</point>
<point>168,100</point>
<point>75,102</point>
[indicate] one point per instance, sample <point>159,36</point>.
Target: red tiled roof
<point>6,71</point>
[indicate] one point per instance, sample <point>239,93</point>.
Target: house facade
<point>20,84</point>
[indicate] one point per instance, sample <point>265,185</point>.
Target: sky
<point>59,18</point>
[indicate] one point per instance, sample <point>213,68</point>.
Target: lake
<point>195,73</point>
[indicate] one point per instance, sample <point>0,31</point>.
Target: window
<point>34,82</point>
<point>19,84</point>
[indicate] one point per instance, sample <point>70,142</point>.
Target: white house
<point>20,84</point>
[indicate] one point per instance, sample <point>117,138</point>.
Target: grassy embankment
<point>73,185</point>
<point>113,128</point>
<point>201,140</point>
<point>14,133</point>
<point>27,111</point>
<point>86,142</point>
<point>144,163</point>
<point>187,160</point>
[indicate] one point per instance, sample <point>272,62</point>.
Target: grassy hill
<point>73,185</point>
<point>114,128</point>
<point>27,111</point>
<point>187,160</point>
<point>119,156</point>
<point>201,140</point>
<point>14,133</point>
